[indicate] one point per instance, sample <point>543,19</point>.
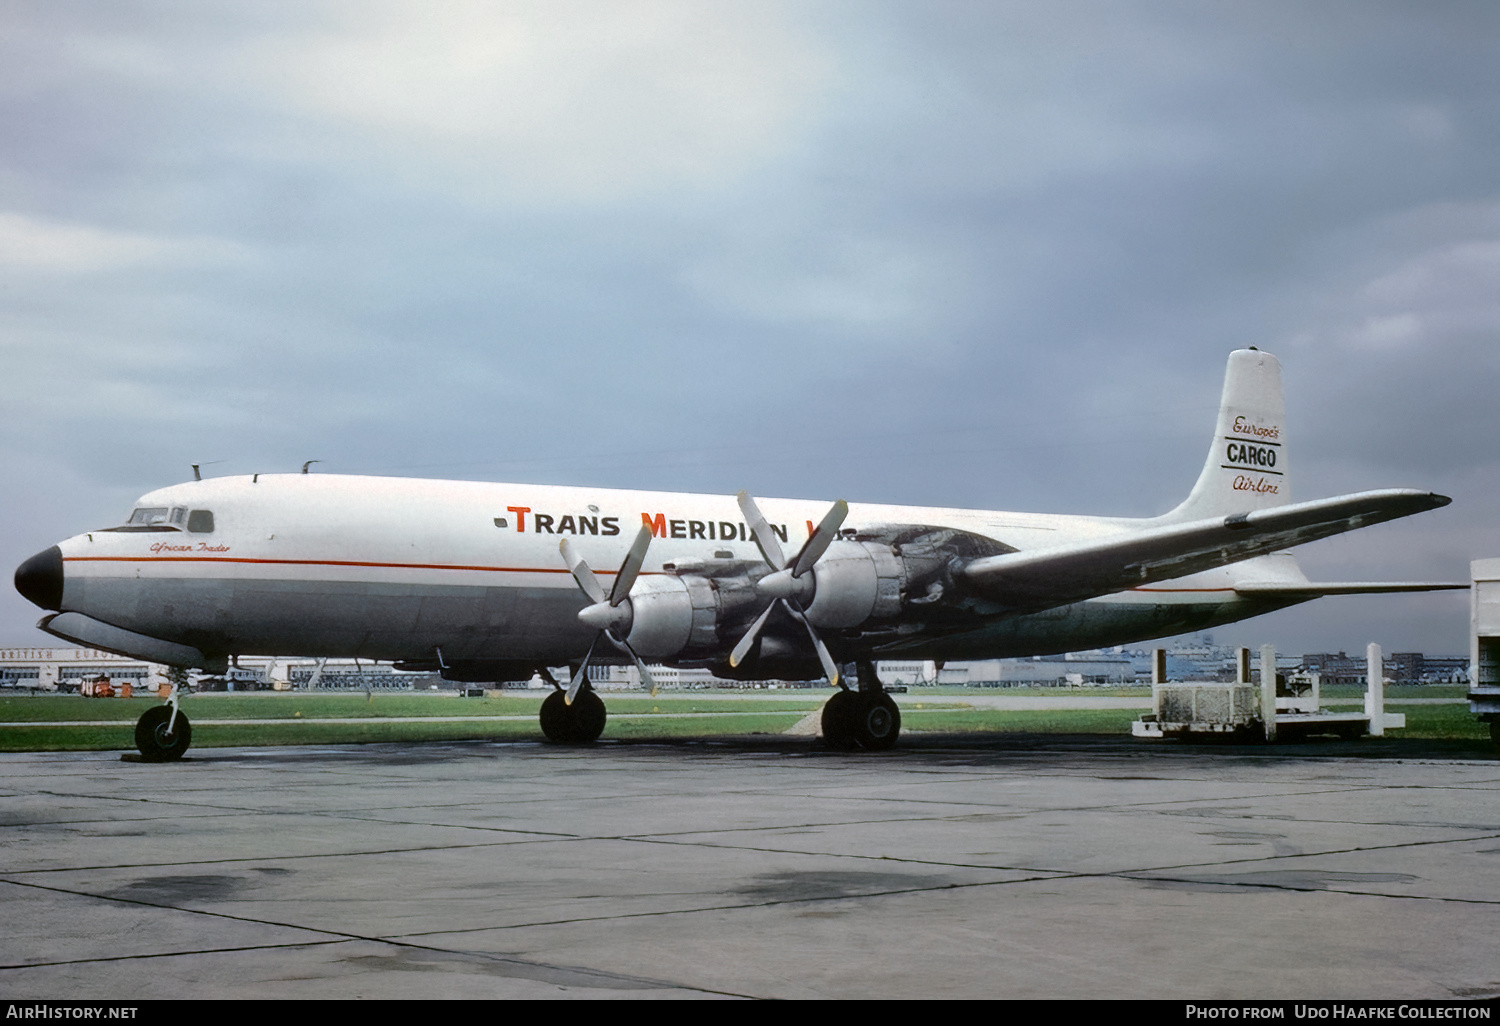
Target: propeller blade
<point>830,668</point>
<point>782,585</point>
<point>631,568</point>
<point>765,538</point>
<point>824,536</point>
<point>624,646</point>
<point>587,582</point>
<point>746,643</point>
<point>581,675</point>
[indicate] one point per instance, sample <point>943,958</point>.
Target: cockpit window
<point>167,518</point>
<point>149,516</point>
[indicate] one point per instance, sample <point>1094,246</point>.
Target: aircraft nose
<point>40,578</point>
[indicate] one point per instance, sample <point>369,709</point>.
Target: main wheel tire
<point>575,724</point>
<point>588,717</point>
<point>837,732</point>
<point>874,721</point>
<point>151,737</point>
<point>556,721</point>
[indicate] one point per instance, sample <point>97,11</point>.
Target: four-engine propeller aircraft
<point>486,582</point>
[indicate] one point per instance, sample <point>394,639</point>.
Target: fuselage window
<point>201,521</point>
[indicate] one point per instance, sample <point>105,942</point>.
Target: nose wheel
<point>161,737</point>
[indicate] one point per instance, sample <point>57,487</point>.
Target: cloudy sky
<point>969,254</point>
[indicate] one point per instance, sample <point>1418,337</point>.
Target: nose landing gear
<point>163,733</point>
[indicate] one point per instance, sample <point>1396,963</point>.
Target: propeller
<point>611,613</point>
<point>789,584</point>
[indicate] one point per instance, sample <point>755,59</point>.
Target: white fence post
<point>1268,689</point>
<point>1375,690</point>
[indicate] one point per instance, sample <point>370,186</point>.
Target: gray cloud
<point>937,253</point>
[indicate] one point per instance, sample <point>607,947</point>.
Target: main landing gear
<point>575,724</point>
<point>863,720</point>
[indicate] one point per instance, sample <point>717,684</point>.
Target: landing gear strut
<point>866,719</point>
<point>161,736</point>
<point>575,724</point>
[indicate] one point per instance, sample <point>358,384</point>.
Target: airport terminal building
<point>62,669</point>
<point>67,669</point>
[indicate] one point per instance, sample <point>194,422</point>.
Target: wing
<point>1042,578</point>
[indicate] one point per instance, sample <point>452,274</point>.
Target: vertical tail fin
<point>1246,467</point>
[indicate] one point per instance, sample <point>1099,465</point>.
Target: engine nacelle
<point>855,582</point>
<point>671,614</point>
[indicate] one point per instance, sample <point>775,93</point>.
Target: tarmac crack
<point>178,953</point>
<point>157,864</point>
<point>525,968</point>
<point>678,839</point>
<point>1036,876</point>
<point>1063,873</point>
<point>1331,851</point>
<point>737,906</point>
<point>1200,881</point>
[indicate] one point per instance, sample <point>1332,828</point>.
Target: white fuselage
<point>455,571</point>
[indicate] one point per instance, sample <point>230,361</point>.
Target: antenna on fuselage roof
<point>308,464</point>
<point>198,474</point>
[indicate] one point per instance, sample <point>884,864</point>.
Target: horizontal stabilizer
<point>1043,578</point>
<point>1316,589</point>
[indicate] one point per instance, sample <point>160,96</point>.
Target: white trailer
<point>1253,712</point>
<point>1484,643</point>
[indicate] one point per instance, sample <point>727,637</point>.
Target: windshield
<point>149,516</point>
<point>167,518</point>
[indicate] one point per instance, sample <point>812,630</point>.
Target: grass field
<point>1454,691</point>
<point>1345,692</point>
<point>1429,721</point>
<point>69,723</point>
<point>283,705</point>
